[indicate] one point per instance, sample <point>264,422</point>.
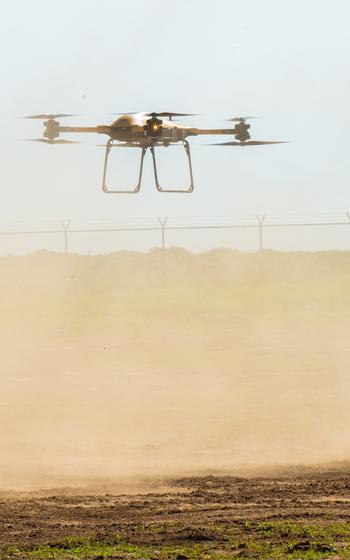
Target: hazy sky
<point>285,61</point>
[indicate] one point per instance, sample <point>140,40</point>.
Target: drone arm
<point>209,131</point>
<point>83,129</point>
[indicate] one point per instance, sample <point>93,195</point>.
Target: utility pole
<point>66,226</point>
<point>261,220</point>
<point>162,223</point>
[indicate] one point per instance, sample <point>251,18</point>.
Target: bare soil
<point>210,509</point>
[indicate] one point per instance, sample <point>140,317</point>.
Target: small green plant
<point>266,540</point>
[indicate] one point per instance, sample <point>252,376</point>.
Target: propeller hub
<point>51,129</point>
<point>241,131</point>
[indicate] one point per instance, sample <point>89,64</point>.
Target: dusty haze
<point>168,362</point>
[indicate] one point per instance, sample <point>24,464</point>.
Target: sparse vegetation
<point>277,540</point>
<point>218,518</point>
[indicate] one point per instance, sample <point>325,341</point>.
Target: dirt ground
<point>291,513</point>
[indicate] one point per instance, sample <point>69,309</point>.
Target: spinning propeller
<point>51,133</point>
<point>165,114</point>
<point>249,143</point>
<point>241,119</point>
<point>50,117</point>
<point>153,114</point>
<point>53,141</point>
<point>170,114</point>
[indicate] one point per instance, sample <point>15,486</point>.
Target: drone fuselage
<point>145,131</point>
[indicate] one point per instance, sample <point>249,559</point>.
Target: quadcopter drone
<point>147,131</point>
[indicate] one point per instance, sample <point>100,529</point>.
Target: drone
<point>147,131</point>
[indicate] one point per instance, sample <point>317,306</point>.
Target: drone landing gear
<point>162,189</point>
<point>132,190</point>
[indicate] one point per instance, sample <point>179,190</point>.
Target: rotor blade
<point>170,114</point>
<point>44,117</point>
<point>46,141</point>
<point>239,119</point>
<point>62,141</point>
<point>166,114</point>
<point>263,142</point>
<point>249,143</point>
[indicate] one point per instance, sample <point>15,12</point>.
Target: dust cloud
<point>167,362</point>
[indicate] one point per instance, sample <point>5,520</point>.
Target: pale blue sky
<point>284,60</point>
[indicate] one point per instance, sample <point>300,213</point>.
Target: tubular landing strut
<point>133,190</point>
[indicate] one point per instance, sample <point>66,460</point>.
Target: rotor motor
<point>241,131</point>
<point>51,129</point>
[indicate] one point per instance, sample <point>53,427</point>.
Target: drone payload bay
<point>147,131</point>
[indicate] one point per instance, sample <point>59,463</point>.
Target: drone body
<point>147,131</point>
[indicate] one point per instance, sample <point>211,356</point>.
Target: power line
<point>244,221</point>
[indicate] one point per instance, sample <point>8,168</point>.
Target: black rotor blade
<point>44,117</point>
<point>165,114</point>
<point>249,143</point>
<point>46,141</point>
<point>170,114</point>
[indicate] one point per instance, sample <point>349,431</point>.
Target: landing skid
<point>162,189</point>
<point>133,190</point>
